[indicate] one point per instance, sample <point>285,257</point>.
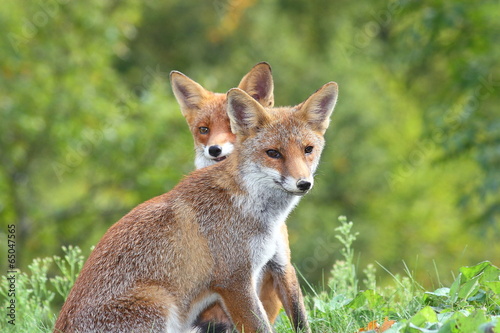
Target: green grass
<point>470,304</point>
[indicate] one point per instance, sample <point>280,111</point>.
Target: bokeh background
<point>89,127</point>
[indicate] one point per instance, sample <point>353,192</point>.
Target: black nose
<point>303,185</point>
<point>214,151</point>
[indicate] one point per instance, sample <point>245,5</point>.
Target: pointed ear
<point>258,83</point>
<point>188,93</point>
<point>245,113</point>
<point>316,110</point>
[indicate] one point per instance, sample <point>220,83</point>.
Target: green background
<point>89,127</point>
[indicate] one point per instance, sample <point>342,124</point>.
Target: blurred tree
<point>77,148</point>
<point>447,55</point>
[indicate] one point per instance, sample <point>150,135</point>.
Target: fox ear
<point>245,113</point>
<point>316,110</point>
<point>188,93</point>
<point>258,83</point>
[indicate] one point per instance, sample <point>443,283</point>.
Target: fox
<point>205,111</point>
<point>211,236</point>
<point>206,115</point>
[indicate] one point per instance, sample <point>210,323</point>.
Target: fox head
<point>206,115</point>
<point>280,147</point>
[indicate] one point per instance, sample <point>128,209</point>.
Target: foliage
<point>471,304</point>
<point>73,135</point>
<point>458,118</point>
<point>36,294</point>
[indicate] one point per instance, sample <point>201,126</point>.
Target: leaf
<point>479,296</point>
<point>430,328</point>
<point>491,278</point>
<point>374,326</point>
<point>320,305</point>
<point>454,289</point>
<point>469,288</point>
<point>472,322</point>
<point>469,272</point>
<point>386,324</point>
<point>440,292</point>
<point>424,316</point>
<point>368,297</point>
<point>473,283</point>
<point>438,298</point>
<point>494,286</point>
<point>449,321</point>
<point>491,274</point>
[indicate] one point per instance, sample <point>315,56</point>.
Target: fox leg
<point>214,319</point>
<point>289,292</point>
<point>269,297</point>
<point>244,307</point>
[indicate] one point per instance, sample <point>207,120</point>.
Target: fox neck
<point>258,196</point>
<point>269,205</point>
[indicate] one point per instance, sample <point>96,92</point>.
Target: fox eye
<point>272,153</point>
<point>204,130</point>
<point>308,149</point>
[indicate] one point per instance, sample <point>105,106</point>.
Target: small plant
<point>69,266</point>
<point>36,292</point>
<point>343,273</point>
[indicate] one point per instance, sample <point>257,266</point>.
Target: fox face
<point>286,160</point>
<point>282,145</point>
<point>206,115</point>
<point>212,134</point>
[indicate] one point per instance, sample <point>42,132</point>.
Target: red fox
<point>208,121</point>
<point>206,115</point>
<point>211,236</point>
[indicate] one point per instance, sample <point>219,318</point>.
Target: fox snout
<point>214,150</point>
<point>218,152</point>
<point>207,155</point>
<point>304,185</point>
<point>296,186</point>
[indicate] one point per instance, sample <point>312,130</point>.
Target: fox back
<point>210,237</point>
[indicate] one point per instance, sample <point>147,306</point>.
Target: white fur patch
<point>198,307</point>
<point>185,325</point>
<point>290,184</point>
<point>204,159</point>
<point>195,330</point>
<point>263,249</point>
<point>200,161</point>
<point>268,200</point>
<point>227,148</point>
<point>270,204</point>
<point>174,323</point>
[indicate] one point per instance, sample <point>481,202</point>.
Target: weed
<point>35,292</point>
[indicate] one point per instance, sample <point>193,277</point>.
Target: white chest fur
<point>262,249</point>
